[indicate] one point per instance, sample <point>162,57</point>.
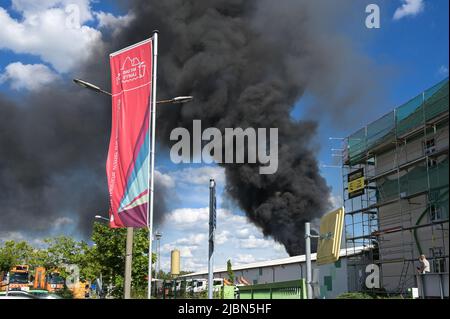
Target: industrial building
<point>395,176</point>
<point>329,281</point>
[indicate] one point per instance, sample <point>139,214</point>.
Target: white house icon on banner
<point>132,69</point>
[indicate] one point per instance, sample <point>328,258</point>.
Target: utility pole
<point>212,227</point>
<point>128,262</point>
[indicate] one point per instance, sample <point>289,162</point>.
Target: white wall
<point>332,277</point>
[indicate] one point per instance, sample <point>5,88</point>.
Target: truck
<point>51,280</point>
<point>19,278</point>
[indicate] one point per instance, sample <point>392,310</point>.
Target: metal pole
<point>308,259</point>
<point>159,254</point>
<point>212,226</point>
<point>157,258</point>
<point>128,262</point>
<point>152,163</point>
<point>7,283</point>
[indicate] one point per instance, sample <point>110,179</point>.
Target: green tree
<point>15,253</point>
<point>109,254</point>
<point>63,250</point>
<point>230,271</point>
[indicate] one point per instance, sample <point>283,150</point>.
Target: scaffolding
<point>403,157</point>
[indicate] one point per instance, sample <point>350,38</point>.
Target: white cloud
<point>50,35</point>
<point>243,233</point>
<point>192,265</point>
<point>336,201</point>
<point>409,8</point>
<point>19,236</point>
<point>199,176</point>
<point>243,259</point>
<point>192,239</point>
<point>222,237</point>
<point>186,217</point>
<point>443,70</point>
<point>16,236</point>
<point>165,180</point>
<point>27,76</point>
<point>62,221</point>
<point>252,242</point>
<point>107,20</point>
<point>31,7</point>
<point>196,218</point>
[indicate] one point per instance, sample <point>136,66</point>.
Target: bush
<point>354,295</point>
<point>65,293</point>
<point>362,295</point>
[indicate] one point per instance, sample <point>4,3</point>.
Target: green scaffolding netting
<point>414,181</point>
<point>407,117</point>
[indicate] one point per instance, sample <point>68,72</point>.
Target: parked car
<point>18,294</point>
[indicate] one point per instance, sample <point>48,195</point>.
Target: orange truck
<point>52,281</point>
<point>19,278</point>
<point>3,278</point>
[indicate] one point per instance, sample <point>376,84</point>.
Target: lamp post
<point>212,229</point>
<point>129,242</point>
<point>158,236</point>
<point>128,259</point>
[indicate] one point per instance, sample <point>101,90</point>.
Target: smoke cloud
<point>247,63</point>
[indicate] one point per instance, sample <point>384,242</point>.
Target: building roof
<point>278,262</point>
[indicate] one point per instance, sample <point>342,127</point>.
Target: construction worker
<point>424,265</point>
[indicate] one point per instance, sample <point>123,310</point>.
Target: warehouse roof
<point>283,261</point>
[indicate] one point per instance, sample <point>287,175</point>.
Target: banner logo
<point>131,70</point>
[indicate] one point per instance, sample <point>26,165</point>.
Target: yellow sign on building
<point>331,227</point>
<point>356,185</point>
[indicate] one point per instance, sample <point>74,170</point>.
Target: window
<point>438,263</point>
<point>435,213</point>
<point>260,271</point>
<point>429,146</point>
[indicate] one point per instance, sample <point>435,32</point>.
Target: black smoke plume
<point>247,63</point>
<point>53,149</point>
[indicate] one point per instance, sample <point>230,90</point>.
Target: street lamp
<point>95,88</point>
<point>158,236</point>
<point>129,242</point>
<point>90,86</point>
<point>101,217</point>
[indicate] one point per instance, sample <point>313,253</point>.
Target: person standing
<point>424,265</point>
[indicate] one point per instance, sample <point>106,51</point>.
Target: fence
<point>295,289</point>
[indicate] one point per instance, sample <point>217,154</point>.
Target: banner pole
<point>152,115</point>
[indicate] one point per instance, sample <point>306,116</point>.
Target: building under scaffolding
<point>395,175</point>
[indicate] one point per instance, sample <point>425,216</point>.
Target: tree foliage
<point>105,257</point>
<point>230,271</point>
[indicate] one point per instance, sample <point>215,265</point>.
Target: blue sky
<point>410,53</point>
